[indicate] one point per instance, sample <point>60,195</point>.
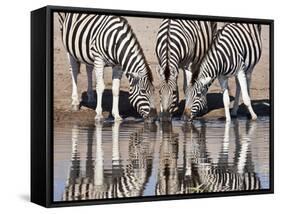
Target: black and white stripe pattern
<point>222,175</point>
<point>199,172</point>
<point>95,180</point>
<point>180,44</point>
<point>103,40</point>
<point>235,52</point>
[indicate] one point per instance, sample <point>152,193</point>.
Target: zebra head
<point>199,107</point>
<point>197,100</point>
<point>169,95</point>
<point>141,94</point>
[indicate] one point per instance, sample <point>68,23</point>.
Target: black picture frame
<point>42,105</point>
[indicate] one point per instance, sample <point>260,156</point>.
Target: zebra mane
<point>194,77</point>
<point>167,73</point>
<point>149,72</point>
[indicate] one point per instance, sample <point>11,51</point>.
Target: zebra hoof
<point>118,118</point>
<point>254,117</point>
<point>75,107</point>
<point>99,117</point>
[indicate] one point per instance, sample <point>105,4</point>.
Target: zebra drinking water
<point>180,44</point>
<point>100,40</point>
<point>235,52</point>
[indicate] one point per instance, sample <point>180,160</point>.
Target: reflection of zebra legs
<point>99,177</point>
<point>224,176</point>
<point>115,144</point>
<point>190,182</point>
<point>245,144</point>
<point>243,160</point>
<point>168,175</point>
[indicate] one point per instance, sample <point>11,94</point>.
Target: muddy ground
<point>146,31</point>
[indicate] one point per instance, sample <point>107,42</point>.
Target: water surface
<point>129,159</point>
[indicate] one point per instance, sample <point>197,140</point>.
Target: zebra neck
<point>136,70</point>
<point>136,67</point>
<point>209,68</point>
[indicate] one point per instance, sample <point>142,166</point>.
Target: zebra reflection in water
<point>159,160</point>
<point>224,175</point>
<point>199,172</point>
<point>123,180</point>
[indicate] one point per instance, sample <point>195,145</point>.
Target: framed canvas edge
<point>49,105</point>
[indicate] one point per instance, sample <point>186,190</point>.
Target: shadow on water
<point>215,101</point>
<point>115,160</point>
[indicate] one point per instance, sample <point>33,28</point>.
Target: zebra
<point>180,44</point>
<point>234,53</point>
<point>102,40</point>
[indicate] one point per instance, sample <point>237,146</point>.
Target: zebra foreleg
<point>98,68</point>
<point>116,78</point>
<point>226,100</point>
<point>90,93</point>
<point>245,95</point>
<point>237,98</point>
<point>249,79</point>
<point>74,70</point>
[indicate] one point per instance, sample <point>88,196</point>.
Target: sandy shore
<point>146,31</point>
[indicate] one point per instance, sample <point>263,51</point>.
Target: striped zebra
<point>235,52</point>
<point>180,44</point>
<point>103,40</point>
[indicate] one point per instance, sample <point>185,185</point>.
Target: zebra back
<point>181,43</point>
<point>236,47</point>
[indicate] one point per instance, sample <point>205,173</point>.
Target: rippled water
<point>113,160</point>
